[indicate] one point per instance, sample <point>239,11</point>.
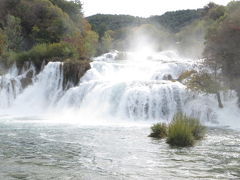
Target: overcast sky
<point>142,8</point>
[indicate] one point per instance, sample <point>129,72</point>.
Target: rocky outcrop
<point>27,80</point>
<point>73,71</point>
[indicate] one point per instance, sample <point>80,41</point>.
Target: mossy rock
<point>73,71</point>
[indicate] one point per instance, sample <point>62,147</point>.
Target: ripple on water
<point>68,152</point>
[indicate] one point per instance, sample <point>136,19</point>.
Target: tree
<point>106,41</point>
<point>205,82</point>
<point>223,44</point>
<point>90,44</point>
<point>72,8</point>
<point>13,31</point>
<point>2,42</point>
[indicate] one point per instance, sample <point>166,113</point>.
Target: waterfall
<point>141,87</point>
<point>13,83</point>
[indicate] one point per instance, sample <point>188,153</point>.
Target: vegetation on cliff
<point>40,30</point>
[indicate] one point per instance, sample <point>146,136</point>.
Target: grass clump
<point>184,130</point>
<point>159,130</point>
<point>180,132</point>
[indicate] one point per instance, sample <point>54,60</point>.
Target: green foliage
<point>2,42</point>
<point>204,82</point>
<point>72,8</point>
<point>184,130</point>
<point>44,21</point>
<point>198,130</point>
<point>106,42</point>
<point>185,75</point>
<point>104,22</point>
<point>36,29</point>
<point>176,20</point>
<point>90,44</point>
<point>13,32</point>
<point>172,21</point>
<point>159,31</point>
<point>223,44</point>
<point>216,12</point>
<point>47,24</point>
<point>159,130</point>
<point>40,52</point>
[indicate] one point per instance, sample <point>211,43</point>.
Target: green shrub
<point>159,130</point>
<point>198,130</point>
<point>184,130</point>
<point>40,52</point>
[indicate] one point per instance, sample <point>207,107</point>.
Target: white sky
<point>142,8</point>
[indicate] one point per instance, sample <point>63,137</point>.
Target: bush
<point>159,130</point>
<point>40,52</point>
<point>184,130</point>
<point>198,130</point>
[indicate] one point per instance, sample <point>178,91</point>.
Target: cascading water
<point>141,87</point>
<point>12,84</point>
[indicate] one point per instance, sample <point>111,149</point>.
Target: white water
<point>112,90</point>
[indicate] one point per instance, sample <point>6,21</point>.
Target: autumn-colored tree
<point>223,44</point>
<point>206,83</point>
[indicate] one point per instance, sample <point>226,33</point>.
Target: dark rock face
<point>167,77</point>
<point>27,80</point>
<point>73,71</point>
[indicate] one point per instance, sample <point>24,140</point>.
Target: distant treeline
<point>171,30</point>
<point>173,21</point>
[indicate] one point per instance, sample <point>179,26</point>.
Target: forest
<point>41,30</point>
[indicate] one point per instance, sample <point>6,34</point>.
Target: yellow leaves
<point>90,43</point>
<point>186,74</point>
<point>85,25</point>
<point>85,43</point>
